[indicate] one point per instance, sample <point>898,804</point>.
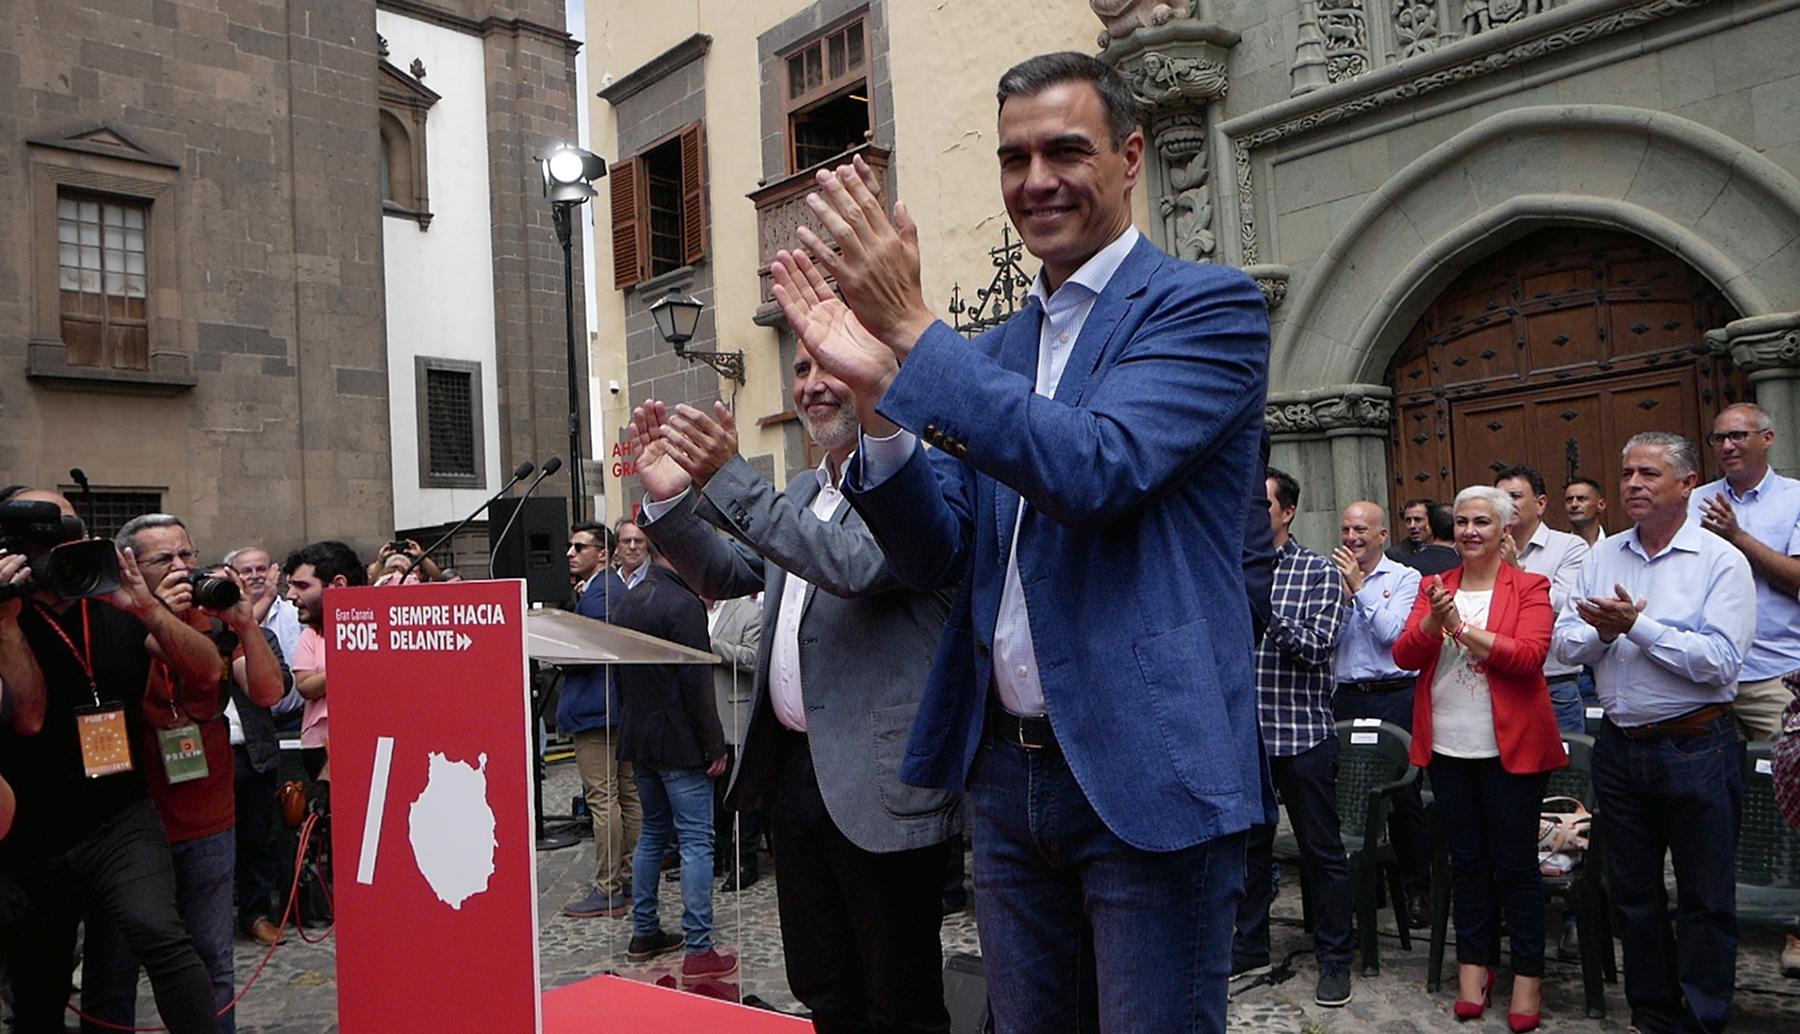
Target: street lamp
<point>676,316</point>
<point>569,175</point>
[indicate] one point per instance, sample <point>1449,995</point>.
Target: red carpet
<point>615,1005</point>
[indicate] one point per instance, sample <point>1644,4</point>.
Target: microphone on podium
<point>551,466</point>
<point>520,473</point>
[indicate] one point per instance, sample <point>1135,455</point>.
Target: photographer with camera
<point>76,654</point>
<point>194,786</point>
<point>409,551</point>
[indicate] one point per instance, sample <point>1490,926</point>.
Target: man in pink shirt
<point>311,570</point>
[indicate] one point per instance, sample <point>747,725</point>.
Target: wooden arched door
<point>1552,352</point>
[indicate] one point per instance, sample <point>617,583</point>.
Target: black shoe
<point>1418,909</point>
<point>1334,986</point>
<point>1569,948</point>
<point>649,946</point>
<point>736,881</point>
<point>953,905</point>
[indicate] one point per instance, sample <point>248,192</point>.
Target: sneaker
<point>650,945</point>
<point>1334,986</point>
<point>594,904</point>
<point>706,964</point>
<point>1244,969</point>
<point>1790,957</point>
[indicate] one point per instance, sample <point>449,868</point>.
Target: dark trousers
<point>1080,930</point>
<point>1490,819</point>
<point>256,875</point>
<point>736,834</point>
<point>1680,796</point>
<point>1307,783</point>
<point>122,870</point>
<point>1406,823</point>
<point>860,929</point>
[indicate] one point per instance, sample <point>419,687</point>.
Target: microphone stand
<point>551,466</point>
<point>521,473</point>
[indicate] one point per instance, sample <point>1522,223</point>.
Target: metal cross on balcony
<point>1001,297</point>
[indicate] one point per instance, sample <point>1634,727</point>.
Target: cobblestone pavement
<point>298,990</point>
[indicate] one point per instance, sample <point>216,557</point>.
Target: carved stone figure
<point>1160,79</point>
<point>1190,201</point>
<point>1486,15</point>
<point>1345,27</point>
<point>1124,17</point>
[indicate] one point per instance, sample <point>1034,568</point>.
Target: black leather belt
<point>1377,685</point>
<point>1020,731</point>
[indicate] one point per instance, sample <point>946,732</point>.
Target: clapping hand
<point>1443,616</point>
<point>657,470</point>
<point>701,444</point>
<point>1349,568</point>
<point>1717,516</point>
<point>833,335</point>
<point>876,260</point>
<point>1611,616</point>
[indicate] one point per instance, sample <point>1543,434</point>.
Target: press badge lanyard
<point>105,742</point>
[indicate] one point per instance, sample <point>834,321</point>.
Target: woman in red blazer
<point>1484,728</point>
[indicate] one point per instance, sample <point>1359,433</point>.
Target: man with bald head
<point>1369,683</point>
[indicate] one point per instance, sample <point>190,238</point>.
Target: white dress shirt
<point>1365,650</point>
<point>784,651</point>
<point>1016,680</point>
<point>1770,514</point>
<point>1556,555</point>
<point>1685,649</point>
<point>637,573</point>
<point>283,619</point>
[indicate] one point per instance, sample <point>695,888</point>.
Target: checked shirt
<point>1293,663</point>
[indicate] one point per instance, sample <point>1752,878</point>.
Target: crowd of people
<point>1044,584</point>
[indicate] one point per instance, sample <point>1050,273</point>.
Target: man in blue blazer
<point>1093,691</point>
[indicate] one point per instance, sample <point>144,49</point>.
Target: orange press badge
<point>105,745</point>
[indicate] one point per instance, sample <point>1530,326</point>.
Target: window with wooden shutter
<point>693,193</point>
<point>825,94</point>
<point>630,224</point>
<point>104,280</point>
<point>659,207</point>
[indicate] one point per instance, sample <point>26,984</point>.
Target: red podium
<point>436,875</point>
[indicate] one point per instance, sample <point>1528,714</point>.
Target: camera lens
<point>213,592</point>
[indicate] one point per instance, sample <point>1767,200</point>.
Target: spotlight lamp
<point>569,173</point>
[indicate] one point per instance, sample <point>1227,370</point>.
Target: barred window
<point>448,405</point>
<point>113,507</point>
<point>451,447</point>
<point>103,281</point>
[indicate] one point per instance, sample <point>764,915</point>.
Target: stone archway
<point>1728,212</point>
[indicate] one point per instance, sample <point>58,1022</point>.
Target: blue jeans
<point>1087,932</point>
<point>1490,819</point>
<point>1681,796</point>
<point>1308,785</point>
<point>205,871</point>
<point>677,809</point>
<point>1571,709</point>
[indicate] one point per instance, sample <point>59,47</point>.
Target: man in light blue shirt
<point>1369,684</point>
<point>1665,614</point>
<point>1758,511</point>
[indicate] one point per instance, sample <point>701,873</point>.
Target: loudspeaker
<point>536,548</point>
<point>965,995</point>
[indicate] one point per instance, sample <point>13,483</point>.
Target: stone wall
<point>261,116</point>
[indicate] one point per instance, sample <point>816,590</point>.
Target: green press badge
<point>184,757</point>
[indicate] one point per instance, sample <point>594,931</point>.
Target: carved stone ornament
<point>1273,280</point>
<point>1345,26</point>
<point>1418,28</point>
<point>1442,71</point>
<point>1124,17</point>
<point>1487,15</point>
<point>1187,203</point>
<point>1760,343</point>
<point>1160,79</point>
<point>1355,407</point>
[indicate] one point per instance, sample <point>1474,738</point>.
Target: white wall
<point>440,282</point>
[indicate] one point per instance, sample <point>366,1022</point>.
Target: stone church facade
<point>1490,231</point>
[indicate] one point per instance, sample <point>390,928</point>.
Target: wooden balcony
<point>781,210</point>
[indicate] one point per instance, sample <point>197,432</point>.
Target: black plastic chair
<point>1582,890</point>
<point>1373,766</point>
<point>1768,857</point>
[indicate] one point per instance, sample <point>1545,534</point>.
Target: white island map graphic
<point>451,829</point>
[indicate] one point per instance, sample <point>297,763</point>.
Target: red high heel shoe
<point>1520,1022</point>
<point>1473,1010</point>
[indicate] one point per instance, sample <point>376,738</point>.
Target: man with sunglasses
<point>587,710</point>
<point>1758,511</point>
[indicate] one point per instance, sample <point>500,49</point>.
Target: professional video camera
<point>61,560</point>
